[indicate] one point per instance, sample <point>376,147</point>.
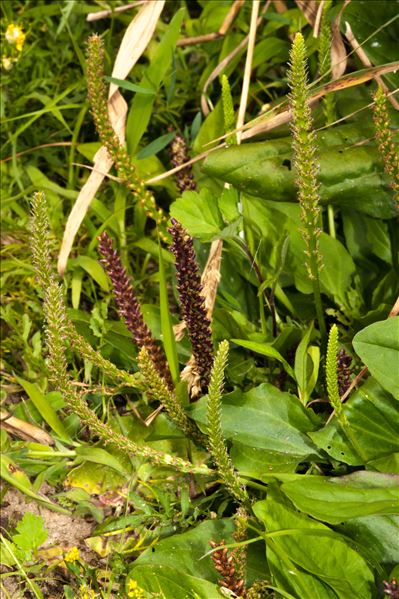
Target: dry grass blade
<point>215,35</point>
<point>309,8</point>
<point>134,42</point>
<point>364,59</point>
<point>339,59</point>
<point>283,115</point>
<point>103,14</point>
<point>317,22</point>
<point>222,65</point>
<point>248,68</point>
<point>24,430</point>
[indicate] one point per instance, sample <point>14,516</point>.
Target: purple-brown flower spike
<point>129,308</point>
<point>191,301</point>
<point>179,155</point>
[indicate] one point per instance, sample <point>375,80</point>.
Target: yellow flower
<point>7,63</point>
<point>134,591</point>
<point>73,555</point>
<point>15,35</point>
<point>86,592</point>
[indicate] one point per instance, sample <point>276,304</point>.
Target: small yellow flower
<point>134,591</point>
<point>15,35</point>
<point>73,555</point>
<point>7,63</point>
<point>86,592</point>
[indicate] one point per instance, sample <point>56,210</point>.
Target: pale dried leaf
<point>24,430</point>
<point>134,42</point>
<point>231,15</point>
<point>309,9</point>
<point>226,60</point>
<point>192,378</point>
<point>317,23</point>
<point>103,14</point>
<point>339,57</point>
<point>364,59</point>
<point>284,115</point>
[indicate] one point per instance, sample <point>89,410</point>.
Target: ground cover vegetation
<point>199,309</point>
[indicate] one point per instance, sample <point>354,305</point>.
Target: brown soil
<point>64,532</point>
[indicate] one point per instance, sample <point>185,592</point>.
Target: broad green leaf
<point>228,204</point>
<point>366,237</point>
<point>141,107</point>
<point>188,549</point>
<point>378,535</point>
<point>95,479</point>
<point>351,176</point>
<point>168,337</point>
<point>314,548</point>
<point>338,266</point>
<point>293,582</point>
<point>265,350</point>
<point>31,532</point>
<point>101,456</point>
<point>198,213</point>
<point>44,408</point>
<point>211,129</point>
<point>378,347</point>
<point>172,583</point>
<point>338,499</point>
<point>156,146</point>
<point>132,87</point>
<point>93,268</point>
<point>267,419</point>
<point>372,415</point>
<point>388,464</point>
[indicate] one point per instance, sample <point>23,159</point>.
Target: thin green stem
<point>319,307</point>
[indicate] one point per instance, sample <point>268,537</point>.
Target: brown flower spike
<point>192,302</point>
<point>179,155</point>
<point>224,564</point>
<point>129,308</point>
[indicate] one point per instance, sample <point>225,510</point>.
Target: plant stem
<point>319,307</point>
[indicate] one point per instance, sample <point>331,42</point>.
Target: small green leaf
<point>31,532</point>
<point>265,350</point>
<point>132,87</point>
<point>302,363</point>
<point>93,268</point>
<point>156,146</point>
<point>44,408</point>
<point>198,213</point>
<point>101,456</point>
<point>378,347</point>
<point>168,336</point>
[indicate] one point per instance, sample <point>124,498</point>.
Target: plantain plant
<point>254,441</point>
